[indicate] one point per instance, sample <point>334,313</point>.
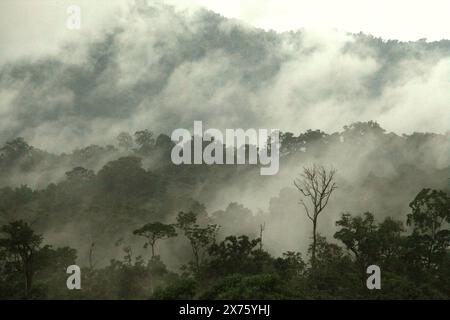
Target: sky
<point>163,71</point>
<point>400,19</point>
<point>38,26</point>
<point>132,67</point>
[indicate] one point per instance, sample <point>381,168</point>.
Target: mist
<point>161,68</point>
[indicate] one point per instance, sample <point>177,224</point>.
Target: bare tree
<point>316,184</point>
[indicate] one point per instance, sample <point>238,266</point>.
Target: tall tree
<point>316,184</point>
<point>145,140</point>
<point>155,231</point>
<point>21,244</point>
<point>430,218</point>
<point>200,238</point>
<point>371,242</point>
<point>125,141</point>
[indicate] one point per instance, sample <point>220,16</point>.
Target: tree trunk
<point>91,252</point>
<point>28,278</point>
<point>29,282</point>
<point>313,254</point>
<point>196,258</point>
<point>153,250</point>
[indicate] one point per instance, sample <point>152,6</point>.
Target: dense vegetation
<point>128,210</point>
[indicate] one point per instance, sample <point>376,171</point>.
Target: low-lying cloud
<point>159,68</point>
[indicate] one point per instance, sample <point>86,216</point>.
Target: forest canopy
<point>141,227</point>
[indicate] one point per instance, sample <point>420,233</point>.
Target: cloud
<point>384,18</point>
<point>162,68</point>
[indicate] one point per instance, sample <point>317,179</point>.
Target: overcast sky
<point>163,69</point>
<point>399,19</point>
<point>38,25</point>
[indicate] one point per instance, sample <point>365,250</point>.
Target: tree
<point>125,141</point>
<point>333,275</point>
<point>125,178</point>
<point>290,265</point>
<point>145,140</point>
<point>21,245</point>
<point>14,150</point>
<point>371,242</point>
<point>155,231</point>
<point>19,154</point>
<point>430,215</point>
<point>50,265</point>
<point>80,174</point>
<point>200,238</point>
<point>358,236</point>
<point>316,184</point>
<point>234,255</point>
<point>358,129</point>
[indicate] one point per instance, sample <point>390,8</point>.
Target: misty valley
<point>142,227</point>
<point>104,195</point>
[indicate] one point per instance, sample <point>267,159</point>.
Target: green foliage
<point>199,237</point>
<point>20,245</point>
<point>430,218</point>
<point>145,140</point>
<point>155,231</point>
<point>183,289</point>
<point>105,194</point>
<point>235,255</point>
<point>125,177</point>
<point>237,268</point>
<point>29,271</point>
<point>125,141</point>
<point>241,287</point>
<point>370,243</point>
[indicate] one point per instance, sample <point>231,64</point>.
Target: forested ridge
<point>142,228</point>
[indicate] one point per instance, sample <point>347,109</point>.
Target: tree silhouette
<point>125,141</point>
<point>21,245</point>
<point>430,214</point>
<point>199,237</point>
<point>316,184</point>
<point>145,140</point>
<point>155,231</point>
